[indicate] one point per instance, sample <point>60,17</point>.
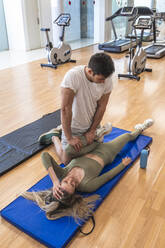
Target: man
<point>85,92</point>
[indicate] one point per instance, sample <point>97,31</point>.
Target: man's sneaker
<point>100,132</point>
<point>147,123</point>
<point>46,138</point>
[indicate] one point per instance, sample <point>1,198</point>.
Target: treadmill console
<point>127,11</point>
<point>143,22</point>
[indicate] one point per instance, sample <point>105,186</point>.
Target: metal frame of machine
<point>157,49</point>
<point>120,45</point>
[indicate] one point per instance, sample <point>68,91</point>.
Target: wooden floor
<point>133,215</point>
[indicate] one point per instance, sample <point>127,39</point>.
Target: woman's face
<point>68,184</point>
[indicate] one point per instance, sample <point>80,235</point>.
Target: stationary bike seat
<point>45,29</point>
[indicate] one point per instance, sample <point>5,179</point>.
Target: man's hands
<point>90,135</point>
<point>126,161</point>
<point>75,142</point>
<point>56,190</point>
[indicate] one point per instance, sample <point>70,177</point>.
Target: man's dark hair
<point>101,63</point>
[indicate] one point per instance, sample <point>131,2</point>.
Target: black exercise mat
<point>22,143</point>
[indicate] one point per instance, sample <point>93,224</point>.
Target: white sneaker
<point>147,123</point>
<point>100,132</point>
<point>59,128</point>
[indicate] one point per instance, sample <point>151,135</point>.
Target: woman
<point>83,174</point>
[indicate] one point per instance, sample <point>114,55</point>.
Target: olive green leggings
<point>107,151</point>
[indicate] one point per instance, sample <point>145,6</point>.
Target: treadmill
<point>157,49</point>
<point>123,44</point>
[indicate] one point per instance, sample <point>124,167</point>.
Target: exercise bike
<point>137,59</point>
<point>62,53</point>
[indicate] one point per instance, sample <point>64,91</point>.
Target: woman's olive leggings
<point>107,151</point>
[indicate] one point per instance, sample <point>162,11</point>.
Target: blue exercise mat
<point>22,143</point>
<point>28,217</point>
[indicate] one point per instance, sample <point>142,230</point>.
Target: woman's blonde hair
<point>75,205</point>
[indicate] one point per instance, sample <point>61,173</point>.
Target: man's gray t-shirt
<point>86,96</point>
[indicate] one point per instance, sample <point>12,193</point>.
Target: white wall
<point>45,17</point>
<point>31,24</point>
<point>102,9</point>
<point>22,26</point>
<point>14,24</point>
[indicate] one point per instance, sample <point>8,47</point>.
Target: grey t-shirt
<point>86,96</point>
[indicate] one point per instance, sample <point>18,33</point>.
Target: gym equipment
<point>118,45</point>
<point>123,44</point>
<point>28,217</point>
<point>62,53</point>
<point>148,36</point>
<point>21,144</point>
<point>137,60</point>
<point>157,49</point>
